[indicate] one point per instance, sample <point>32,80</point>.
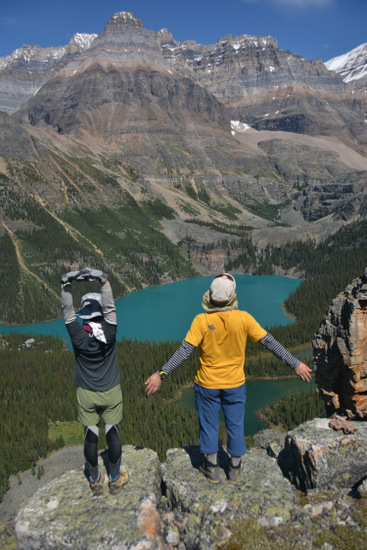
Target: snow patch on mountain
<point>124,15</point>
<point>237,126</point>
<point>83,40</point>
<point>352,65</point>
<point>27,54</point>
<point>127,18</point>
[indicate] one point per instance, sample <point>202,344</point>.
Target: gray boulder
<point>272,440</point>
<point>205,511</point>
<point>316,456</point>
<point>64,514</point>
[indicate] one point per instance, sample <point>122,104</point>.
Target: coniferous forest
<point>37,388</point>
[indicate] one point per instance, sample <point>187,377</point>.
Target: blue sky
<point>311,28</point>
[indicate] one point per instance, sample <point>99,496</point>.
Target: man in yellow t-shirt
<point>222,332</point>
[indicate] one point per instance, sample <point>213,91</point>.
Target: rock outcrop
<point>315,456</point>
<point>24,71</point>
<point>62,514</point>
<point>340,352</point>
<point>171,505</point>
<point>208,510</point>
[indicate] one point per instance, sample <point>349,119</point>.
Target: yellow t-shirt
<point>222,336</point>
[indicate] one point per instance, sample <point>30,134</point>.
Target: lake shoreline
<point>261,393</point>
<point>284,275</point>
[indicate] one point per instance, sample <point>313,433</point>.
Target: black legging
<point>114,444</point>
<point>114,448</point>
<point>90,447</point>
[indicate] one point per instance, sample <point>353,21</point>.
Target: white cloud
<point>7,20</point>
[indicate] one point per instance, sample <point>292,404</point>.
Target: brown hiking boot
<point>116,485</point>
<point>97,486</point>
<point>233,472</point>
<point>210,471</point>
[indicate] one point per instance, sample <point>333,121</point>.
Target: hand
<point>69,276</point>
<point>89,274</point>
<point>153,384</point>
<point>303,372</point>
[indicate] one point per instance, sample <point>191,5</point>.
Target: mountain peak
<point>351,65</point>
<point>125,18</point>
<point>82,40</point>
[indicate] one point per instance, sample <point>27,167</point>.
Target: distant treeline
<point>293,410</point>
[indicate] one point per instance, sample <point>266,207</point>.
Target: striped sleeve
<point>180,355</point>
<point>270,343</point>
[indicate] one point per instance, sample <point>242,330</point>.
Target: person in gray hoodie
<point>97,373</point>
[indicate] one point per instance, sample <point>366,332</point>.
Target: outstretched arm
<point>154,382</point>
<point>301,369</point>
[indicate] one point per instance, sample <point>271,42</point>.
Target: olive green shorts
<point>95,404</point>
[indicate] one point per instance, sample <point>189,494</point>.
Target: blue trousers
<point>208,405</point>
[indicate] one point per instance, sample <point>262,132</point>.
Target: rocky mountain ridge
<point>129,137</point>
<point>241,71</point>
<point>352,65</point>
<point>204,60</point>
<point>25,70</point>
<point>234,70</point>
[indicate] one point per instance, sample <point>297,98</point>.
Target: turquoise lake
<point>164,313</point>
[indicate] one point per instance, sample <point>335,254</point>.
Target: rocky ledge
<point>340,352</point>
<point>171,505</point>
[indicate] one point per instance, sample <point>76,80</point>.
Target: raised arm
<point>67,297</point>
<point>67,306</point>
<point>108,303</point>
<point>87,274</point>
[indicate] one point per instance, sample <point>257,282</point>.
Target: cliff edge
<point>171,505</point>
